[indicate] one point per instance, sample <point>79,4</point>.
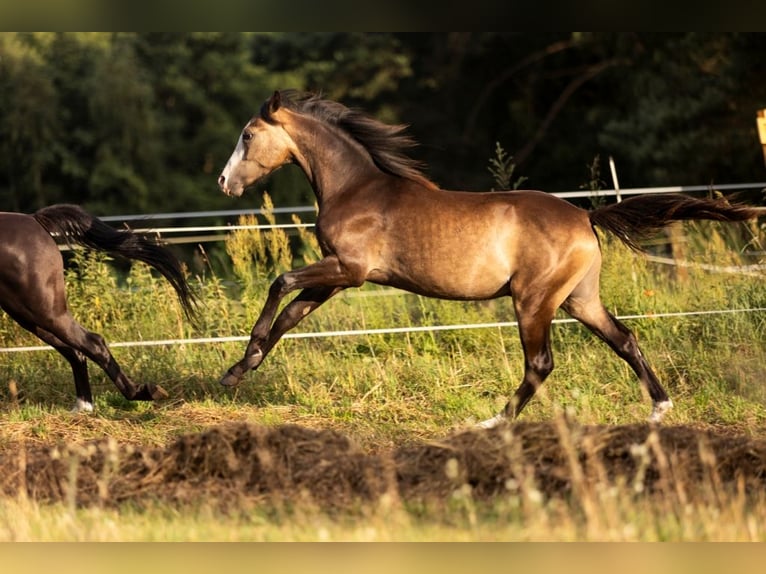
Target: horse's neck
<point>332,161</point>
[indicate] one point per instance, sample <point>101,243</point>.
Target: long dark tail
<point>640,216</point>
<point>75,225</point>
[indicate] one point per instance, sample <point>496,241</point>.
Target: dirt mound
<point>235,463</point>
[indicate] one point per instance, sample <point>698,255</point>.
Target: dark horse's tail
<point>639,216</point>
<point>75,225</point>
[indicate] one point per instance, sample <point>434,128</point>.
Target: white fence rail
<point>387,330</point>
<point>219,232</point>
<point>563,195</point>
<point>225,229</point>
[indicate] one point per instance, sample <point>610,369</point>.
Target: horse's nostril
<point>221,180</point>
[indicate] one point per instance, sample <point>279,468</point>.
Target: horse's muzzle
<point>223,183</point>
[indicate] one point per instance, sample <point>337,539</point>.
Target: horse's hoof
<point>493,422</point>
<point>82,406</point>
<point>230,380</point>
<point>252,361</point>
<point>659,409</point>
<point>150,393</point>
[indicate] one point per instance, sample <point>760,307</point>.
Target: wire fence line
<point>199,214</point>
<point>750,270</point>
<point>563,195</point>
<point>388,330</point>
<point>755,270</point>
<point>220,232</point>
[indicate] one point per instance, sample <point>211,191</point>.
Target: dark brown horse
<point>32,289</point>
<point>381,220</point>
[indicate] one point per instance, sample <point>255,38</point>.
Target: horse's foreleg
<point>305,303</point>
<point>320,281</point>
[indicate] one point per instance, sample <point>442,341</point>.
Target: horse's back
<point>546,206</point>
<point>25,246</point>
<point>19,230</point>
<point>468,245</point>
<point>529,205</point>
<point>530,215</point>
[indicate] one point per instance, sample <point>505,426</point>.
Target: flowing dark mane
<point>385,143</point>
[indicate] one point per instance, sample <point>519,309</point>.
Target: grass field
<point>388,393</point>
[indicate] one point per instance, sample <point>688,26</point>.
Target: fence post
<point>616,183</point>
<point>761,122</point>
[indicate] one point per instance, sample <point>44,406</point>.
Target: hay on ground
<point>235,463</point>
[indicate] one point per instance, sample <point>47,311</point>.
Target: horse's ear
<point>274,102</point>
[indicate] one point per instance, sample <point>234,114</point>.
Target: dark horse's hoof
<point>150,393</point>
<point>230,380</point>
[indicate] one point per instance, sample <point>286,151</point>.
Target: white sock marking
<point>492,423</point>
<point>659,409</point>
<point>81,406</point>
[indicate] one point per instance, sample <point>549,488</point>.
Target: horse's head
<point>263,146</point>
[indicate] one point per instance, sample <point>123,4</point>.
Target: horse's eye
<point>247,136</point>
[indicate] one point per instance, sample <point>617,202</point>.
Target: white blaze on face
<point>236,157</point>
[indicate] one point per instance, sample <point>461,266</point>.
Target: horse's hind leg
<point>78,362</point>
<point>535,332</point>
<point>75,359</point>
<point>75,343</point>
<point>585,305</point>
<point>84,401</point>
<point>93,346</point>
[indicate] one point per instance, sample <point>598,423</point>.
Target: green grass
<point>386,390</point>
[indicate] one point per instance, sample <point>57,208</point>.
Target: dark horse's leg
<point>39,305</point>
<point>75,343</point>
<point>319,282</point>
<point>75,359</point>
<point>79,364</point>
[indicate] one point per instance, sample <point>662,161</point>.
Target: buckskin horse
<point>32,289</point>
<point>381,220</point>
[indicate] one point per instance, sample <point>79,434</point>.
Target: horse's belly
<point>465,284</point>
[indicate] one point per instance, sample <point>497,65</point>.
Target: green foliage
<point>258,255</point>
<point>711,364</point>
<point>28,123</point>
<point>684,88</point>
<point>352,65</point>
<point>594,184</point>
<point>501,167</point>
<point>398,388</point>
<point>143,122</point>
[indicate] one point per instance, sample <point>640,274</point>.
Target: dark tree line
<point>143,122</point>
